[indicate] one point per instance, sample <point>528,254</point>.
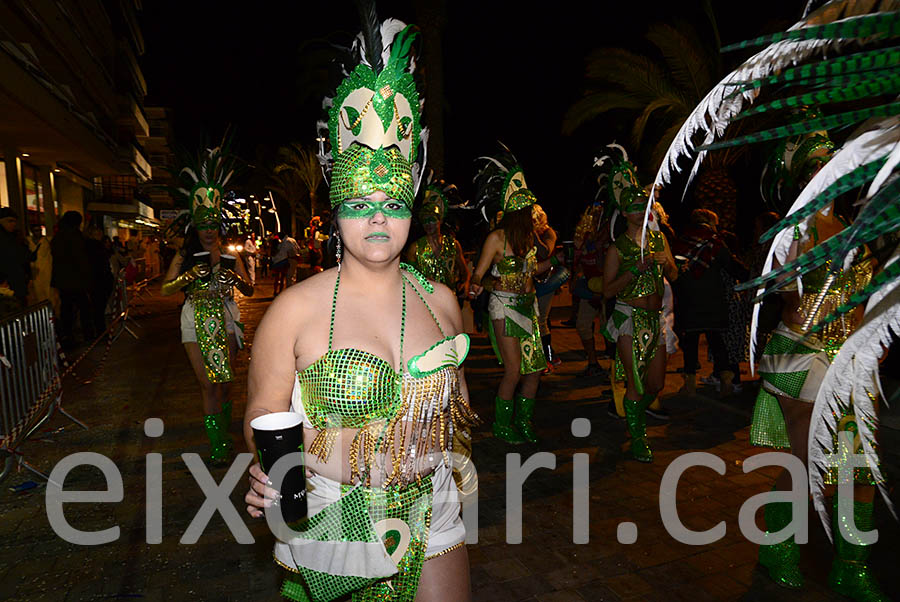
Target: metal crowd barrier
<point>30,382</point>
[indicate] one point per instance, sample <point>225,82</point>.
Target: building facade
<point>72,118</point>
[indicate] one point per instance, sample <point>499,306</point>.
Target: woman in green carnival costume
<point>379,383</point>
<point>510,253</point>
<point>633,274</point>
<point>210,320</point>
<point>438,255</point>
<point>819,370</point>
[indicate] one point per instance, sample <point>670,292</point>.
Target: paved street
<point>150,377</point>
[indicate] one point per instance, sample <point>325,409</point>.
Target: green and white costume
<point>840,53</point>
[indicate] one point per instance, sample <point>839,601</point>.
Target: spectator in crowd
<point>284,262</point>
<point>102,280</point>
<point>592,242</point>
<point>41,270</point>
<point>72,278</point>
<point>14,256</point>
<point>249,256</point>
<point>701,299</point>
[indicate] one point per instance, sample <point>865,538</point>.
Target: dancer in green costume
<point>633,275</point>
<point>378,382</point>
<point>210,320</point>
<point>819,370</point>
<point>509,252</point>
<point>438,255</point>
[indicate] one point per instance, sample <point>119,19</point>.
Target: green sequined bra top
<point>648,282</point>
<point>355,389</point>
<point>513,273</point>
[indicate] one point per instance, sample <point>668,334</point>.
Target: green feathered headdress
<point>374,124</point>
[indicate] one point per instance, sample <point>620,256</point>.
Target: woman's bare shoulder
<point>445,305</point>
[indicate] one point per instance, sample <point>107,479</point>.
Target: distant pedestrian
<point>14,256</point>
<point>72,277</point>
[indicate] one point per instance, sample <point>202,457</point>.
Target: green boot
<point>524,413</point>
<point>502,427</point>
<point>637,428</point>
<point>218,446</point>
<point>781,559</point>
<point>849,574</point>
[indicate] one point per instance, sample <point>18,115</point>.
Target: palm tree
<point>296,176</point>
<point>659,91</point>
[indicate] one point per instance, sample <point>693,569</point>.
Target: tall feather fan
<point>868,158</point>
<point>854,376</point>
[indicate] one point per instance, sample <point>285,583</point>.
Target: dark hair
<point>519,230</point>
<point>70,219</point>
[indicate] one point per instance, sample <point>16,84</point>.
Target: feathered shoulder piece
<point>374,130</point>
<point>500,185</point>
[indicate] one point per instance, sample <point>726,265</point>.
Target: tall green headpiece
<point>203,184</point>
<point>500,185</point>
<point>374,120</point>
<point>625,191</point>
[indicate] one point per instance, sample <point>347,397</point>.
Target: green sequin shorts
<point>520,315</point>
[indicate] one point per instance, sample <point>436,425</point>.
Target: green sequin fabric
<point>209,320</point>
<point>439,266</point>
<point>360,171</point>
<point>649,282</point>
<point>642,325</point>
<point>519,313</point>
<point>411,504</point>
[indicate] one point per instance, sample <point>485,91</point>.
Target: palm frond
<point>597,103</point>
<point>676,108</point>
<point>686,60</point>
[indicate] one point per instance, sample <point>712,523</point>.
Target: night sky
<point>510,74</point>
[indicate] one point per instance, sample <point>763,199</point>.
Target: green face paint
<point>365,209</point>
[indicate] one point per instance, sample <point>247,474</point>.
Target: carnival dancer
<point>438,255</point>
<point>633,275</point>
<point>378,383</point>
<point>210,319</point>
<point>509,252</point>
<point>795,362</point>
<point>820,367</point>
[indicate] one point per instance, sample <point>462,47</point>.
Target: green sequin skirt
<point>520,315</point>
<point>403,513</point>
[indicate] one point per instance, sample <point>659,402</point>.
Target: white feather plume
<point>871,141</point>
<point>853,375</point>
<point>718,107</point>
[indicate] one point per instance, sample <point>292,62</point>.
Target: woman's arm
<point>488,251</point>
<point>270,379</point>
<point>612,285</point>
<point>174,282</point>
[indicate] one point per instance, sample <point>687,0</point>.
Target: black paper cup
<point>227,261</point>
<point>202,257</point>
<point>276,435</point>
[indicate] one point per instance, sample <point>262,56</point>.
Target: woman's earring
<point>337,252</point>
